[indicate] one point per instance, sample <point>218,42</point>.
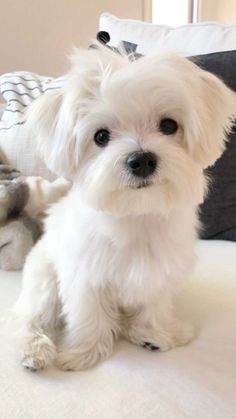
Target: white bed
<point>197,381</point>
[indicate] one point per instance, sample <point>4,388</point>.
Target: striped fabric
<point>18,90</point>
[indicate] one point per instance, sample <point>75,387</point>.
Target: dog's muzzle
<point>142,164</point>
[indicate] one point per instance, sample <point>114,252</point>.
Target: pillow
<point>190,39</point>
<point>19,89</point>
<point>218,212</point>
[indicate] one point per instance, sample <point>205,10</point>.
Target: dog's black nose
<point>142,164</point>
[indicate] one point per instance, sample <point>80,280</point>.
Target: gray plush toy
<point>23,202</point>
<point>18,231</point>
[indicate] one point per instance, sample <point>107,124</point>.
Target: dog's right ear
<point>55,115</point>
<point>52,118</point>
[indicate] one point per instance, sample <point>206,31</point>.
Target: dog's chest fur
<point>137,256</point>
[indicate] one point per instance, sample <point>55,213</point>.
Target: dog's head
<point>134,136</point>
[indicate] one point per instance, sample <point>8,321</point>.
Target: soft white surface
<point>192,39</point>
<point>196,381</point>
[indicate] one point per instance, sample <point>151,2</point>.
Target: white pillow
<point>19,89</point>
<point>191,39</point>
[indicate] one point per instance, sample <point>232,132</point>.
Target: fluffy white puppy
<point>134,137</point>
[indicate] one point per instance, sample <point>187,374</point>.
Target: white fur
<point>113,255</point>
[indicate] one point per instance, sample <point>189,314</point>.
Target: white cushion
<point>19,89</point>
<point>192,39</point>
<point>192,382</point>
<point>18,148</point>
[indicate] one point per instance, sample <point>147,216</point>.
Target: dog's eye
<point>102,137</point>
<point>168,126</point>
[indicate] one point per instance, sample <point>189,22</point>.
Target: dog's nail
<point>32,369</point>
<point>146,345</point>
<point>150,346</point>
<point>154,347</point>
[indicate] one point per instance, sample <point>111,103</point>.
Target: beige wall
<point>218,10</point>
<point>37,35</point>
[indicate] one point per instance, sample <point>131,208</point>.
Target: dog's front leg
<point>156,328</point>
<point>92,324</point>
<point>37,309</point>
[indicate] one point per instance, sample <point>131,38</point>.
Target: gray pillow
<point>218,212</point>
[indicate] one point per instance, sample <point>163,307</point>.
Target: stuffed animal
<point>23,201</point>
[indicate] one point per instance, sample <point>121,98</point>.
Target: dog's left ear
<point>215,111</point>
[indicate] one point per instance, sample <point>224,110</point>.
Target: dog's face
<point>134,136</point>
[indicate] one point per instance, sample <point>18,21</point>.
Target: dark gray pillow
<point>218,212</point>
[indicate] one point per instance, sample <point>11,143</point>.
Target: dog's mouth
<point>143,184</point>
<point>133,182</point>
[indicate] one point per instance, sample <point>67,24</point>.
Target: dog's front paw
<point>39,353</point>
<point>159,341</point>
<point>162,339</point>
<point>76,360</point>
<point>82,358</point>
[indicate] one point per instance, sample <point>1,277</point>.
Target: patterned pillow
<point>19,89</point>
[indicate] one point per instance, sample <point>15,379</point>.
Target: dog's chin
<point>138,198</point>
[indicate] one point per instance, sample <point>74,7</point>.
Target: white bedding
<point>197,381</point>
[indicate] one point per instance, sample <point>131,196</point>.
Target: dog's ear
<point>52,121</point>
<point>56,114</point>
<point>212,120</point>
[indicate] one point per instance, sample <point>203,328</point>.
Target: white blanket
<point>196,382</point>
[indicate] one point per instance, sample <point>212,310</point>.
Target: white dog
<point>134,137</point>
